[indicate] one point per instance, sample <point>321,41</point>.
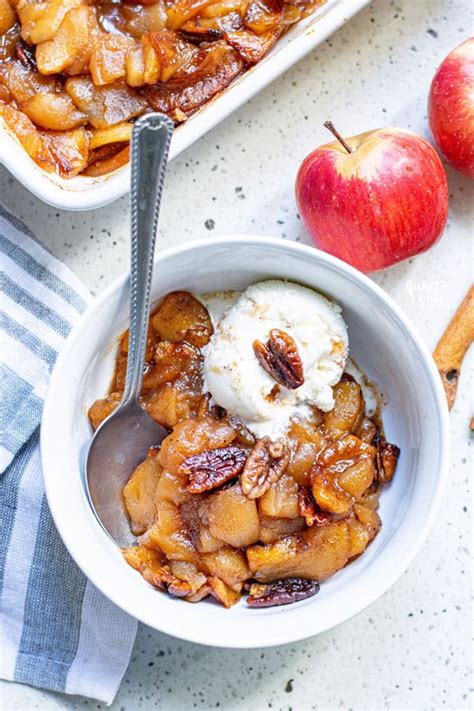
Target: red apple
<point>451,108</point>
<point>373,199</point>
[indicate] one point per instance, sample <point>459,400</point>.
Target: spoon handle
<point>151,136</point>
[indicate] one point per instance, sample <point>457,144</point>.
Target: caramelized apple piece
<point>221,8</point>
<point>103,408</point>
<point>193,436</point>
<point>135,67</point>
<point>142,65</point>
<point>146,17</point>
<point>151,341</point>
<point>206,543</point>
<point>183,10</point>
<point>263,15</point>
<point>70,150</point>
<point>171,362</point>
<point>173,386</point>
<point>348,411</point>
<point>342,471</point>
<point>189,574</point>
<point>263,24</point>
<point>28,135</point>
<point>370,499</point>
<point>169,534</point>
<point>364,526</point>
<point>42,99</point>
<point>55,112</point>
<point>107,63</point>
<point>63,152</point>
<point>41,20</point>
<point>99,166</point>
<point>24,83</point>
<point>356,478</point>
<point>139,493</point>
<point>152,566</point>
<point>317,553</point>
<point>229,565</point>
<point>120,133</point>
<point>250,46</point>
<point>181,317</point>
<point>306,441</point>
<point>105,105</point>
<point>168,405</point>
<point>172,487</point>
<point>5,96</point>
<point>173,53</point>
<point>222,592</point>
<point>195,514</point>
<point>233,518</point>
<point>150,563</point>
<point>271,529</point>
<point>7,16</point>
<point>281,500</point>
<point>69,50</point>
<point>366,430</point>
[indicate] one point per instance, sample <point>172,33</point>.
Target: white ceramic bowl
<point>82,193</point>
<point>385,346</point>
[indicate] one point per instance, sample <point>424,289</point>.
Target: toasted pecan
<point>212,468</point>
<point>279,357</point>
<point>282,592</point>
<point>264,466</point>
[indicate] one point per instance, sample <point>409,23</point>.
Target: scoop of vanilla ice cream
<point>237,381</point>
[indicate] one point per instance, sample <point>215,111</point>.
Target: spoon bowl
<point>119,445</point>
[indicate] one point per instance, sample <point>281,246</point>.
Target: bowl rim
<point>379,587</point>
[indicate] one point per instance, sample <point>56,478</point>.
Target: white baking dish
<point>82,193</point>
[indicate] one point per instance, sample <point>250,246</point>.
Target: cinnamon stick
<point>453,345</point>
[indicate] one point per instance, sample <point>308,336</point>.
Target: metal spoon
<point>123,439</point>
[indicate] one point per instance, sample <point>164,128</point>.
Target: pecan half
<point>279,357</point>
<point>264,466</point>
<point>212,468</point>
<point>282,592</point>
<point>386,459</point>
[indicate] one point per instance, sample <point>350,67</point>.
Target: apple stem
<point>330,127</point>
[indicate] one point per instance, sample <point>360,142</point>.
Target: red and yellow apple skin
<point>451,108</point>
<point>382,203</point>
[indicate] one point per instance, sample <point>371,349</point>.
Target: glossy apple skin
<point>383,203</point>
<point>451,108</point>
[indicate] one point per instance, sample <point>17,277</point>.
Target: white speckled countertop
<point>411,649</point>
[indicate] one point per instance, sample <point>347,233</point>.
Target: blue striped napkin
<point>57,631</point>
